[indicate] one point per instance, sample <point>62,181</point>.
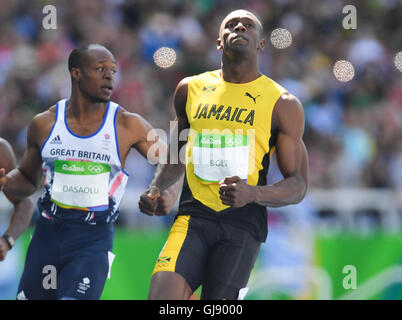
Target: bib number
<point>80,184</point>
<point>217,156</point>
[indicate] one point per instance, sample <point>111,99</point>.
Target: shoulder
<point>7,158</point>
<point>47,117</point>
<point>288,104</point>
<point>180,96</point>
<point>182,86</point>
<point>4,145</point>
<point>41,124</point>
<point>129,119</point>
<point>288,112</point>
<point>133,126</point>
<point>5,148</point>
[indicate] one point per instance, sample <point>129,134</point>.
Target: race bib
<point>216,156</point>
<point>80,184</point>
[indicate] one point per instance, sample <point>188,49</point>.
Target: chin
<point>238,50</point>
<point>101,99</point>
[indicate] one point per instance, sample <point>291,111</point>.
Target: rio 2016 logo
<point>95,169</point>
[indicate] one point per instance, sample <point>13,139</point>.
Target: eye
<point>100,69</point>
<point>231,24</point>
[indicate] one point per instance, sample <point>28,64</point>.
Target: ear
<point>219,45</point>
<point>261,45</point>
<point>76,74</point>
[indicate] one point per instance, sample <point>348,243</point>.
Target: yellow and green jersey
<point>230,135</point>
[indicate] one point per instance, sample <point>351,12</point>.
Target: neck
<point>239,70</point>
<point>83,108</point>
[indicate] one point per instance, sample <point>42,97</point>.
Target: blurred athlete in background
<point>23,207</point>
<point>237,117</point>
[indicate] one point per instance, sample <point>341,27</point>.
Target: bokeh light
<point>164,57</point>
<point>344,71</point>
<point>281,38</point>
<point>398,61</point>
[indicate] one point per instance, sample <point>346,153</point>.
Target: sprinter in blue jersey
<point>79,146</point>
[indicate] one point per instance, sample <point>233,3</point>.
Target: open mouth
<point>107,89</point>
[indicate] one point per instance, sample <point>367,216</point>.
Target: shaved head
<point>242,13</point>
<point>78,55</point>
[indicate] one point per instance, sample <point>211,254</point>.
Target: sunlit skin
<point>240,39</point>
<point>240,32</point>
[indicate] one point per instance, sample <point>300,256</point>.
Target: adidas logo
<point>21,296</point>
<point>56,140</point>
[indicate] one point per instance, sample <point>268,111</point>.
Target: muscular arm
<point>23,207</point>
<point>26,179</point>
<point>135,132</point>
<point>288,124</point>
<point>288,120</point>
<point>170,174</point>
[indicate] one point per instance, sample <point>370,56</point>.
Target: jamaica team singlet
<point>230,135</point>
<point>84,180</point>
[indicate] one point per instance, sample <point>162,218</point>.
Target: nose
<point>108,74</point>
<point>240,27</point>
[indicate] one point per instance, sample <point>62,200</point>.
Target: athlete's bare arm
<point>168,174</point>
<point>23,207</point>
<point>288,124</point>
<point>135,132</point>
<point>26,179</point>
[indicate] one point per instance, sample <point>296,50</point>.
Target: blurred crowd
<point>353,133</point>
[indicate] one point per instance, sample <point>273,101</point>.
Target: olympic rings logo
<point>95,169</point>
<point>230,141</point>
<point>210,140</point>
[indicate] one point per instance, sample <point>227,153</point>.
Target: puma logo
<point>250,96</point>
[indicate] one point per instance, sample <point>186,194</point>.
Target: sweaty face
<point>240,32</point>
<point>97,74</point>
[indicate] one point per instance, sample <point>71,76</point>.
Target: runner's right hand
<point>149,201</point>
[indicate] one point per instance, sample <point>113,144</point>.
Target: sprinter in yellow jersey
<point>236,118</point>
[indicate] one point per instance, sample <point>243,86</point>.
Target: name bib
<point>216,156</point>
<point>80,184</point>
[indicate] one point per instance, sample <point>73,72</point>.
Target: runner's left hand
<point>235,193</point>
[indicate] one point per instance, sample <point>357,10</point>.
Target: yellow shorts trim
<point>168,257</point>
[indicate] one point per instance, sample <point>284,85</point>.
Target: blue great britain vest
<point>84,179</point>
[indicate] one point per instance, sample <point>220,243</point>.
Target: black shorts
<point>213,254</point>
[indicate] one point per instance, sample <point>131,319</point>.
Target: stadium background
<point>349,223</point>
